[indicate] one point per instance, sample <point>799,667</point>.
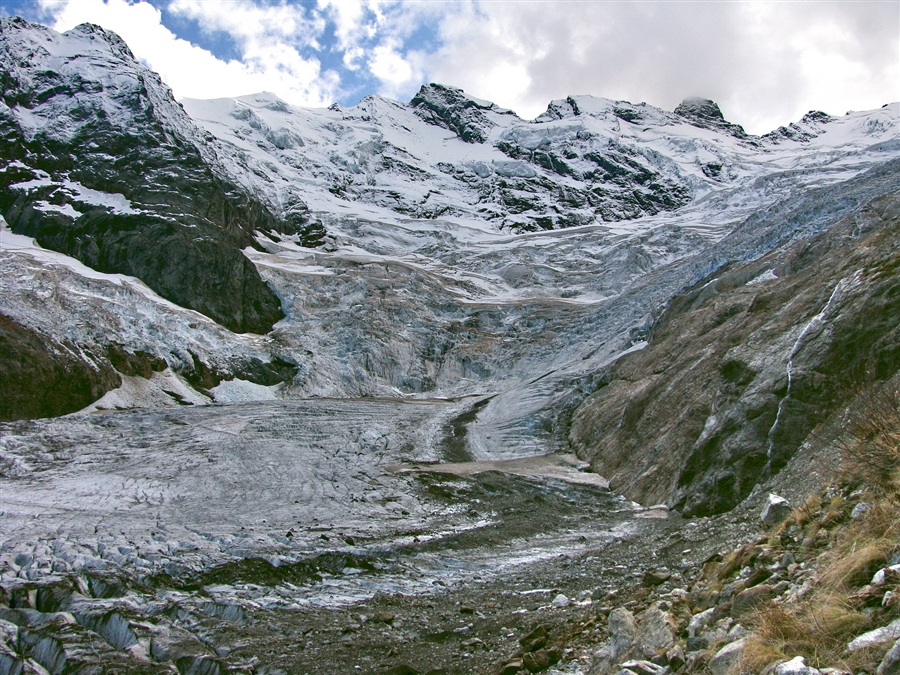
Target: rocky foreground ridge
<point>816,590</point>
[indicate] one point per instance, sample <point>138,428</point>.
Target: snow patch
<point>115,202</point>
<point>243,391</point>
<point>163,389</point>
<point>65,209</point>
<point>768,275</point>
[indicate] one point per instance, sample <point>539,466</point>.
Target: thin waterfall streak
<point>818,318</point>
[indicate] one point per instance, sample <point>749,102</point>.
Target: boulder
<point>750,599</point>
<point>776,510</point>
<point>876,637</point>
<point>696,643</point>
<point>796,666</point>
<point>655,633</point>
<point>859,510</point>
<point>535,640</point>
<point>622,630</point>
<point>656,577</point>
<point>887,575</point>
<point>603,661</point>
<point>890,664</point>
<point>702,620</point>
<point>726,657</point>
<point>640,667</point>
<point>675,658</point>
<point>512,667</point>
<point>540,660</point>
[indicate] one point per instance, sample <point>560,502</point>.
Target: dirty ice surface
<point>182,490</point>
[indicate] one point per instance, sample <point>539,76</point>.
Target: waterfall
<point>816,320</point>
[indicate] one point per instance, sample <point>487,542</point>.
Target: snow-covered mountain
<point>585,161</point>
<point>679,302</point>
<point>102,164</point>
<point>392,236</point>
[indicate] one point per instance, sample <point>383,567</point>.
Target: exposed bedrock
<point>102,164</point>
<point>743,367</point>
<point>41,377</point>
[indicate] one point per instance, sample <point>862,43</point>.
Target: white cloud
<point>348,17</point>
<point>195,72</point>
<point>395,71</point>
<point>250,23</point>
<point>765,63</point>
<point>373,34</point>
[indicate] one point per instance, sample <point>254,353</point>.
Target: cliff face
<point>100,162</point>
<point>742,367</point>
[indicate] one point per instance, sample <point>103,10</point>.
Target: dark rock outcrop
<point>451,108</point>
<point>704,113</point>
<point>101,163</point>
<point>41,377</point>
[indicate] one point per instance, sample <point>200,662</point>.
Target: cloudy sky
<point>765,62</point>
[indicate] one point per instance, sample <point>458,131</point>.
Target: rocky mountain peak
<point>700,109</point>
<point>560,109</point>
<point>705,113</point>
<point>99,162</point>
<point>92,31</point>
<point>453,109</point>
<point>811,125</point>
<point>85,40</point>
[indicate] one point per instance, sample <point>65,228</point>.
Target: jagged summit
<point>700,109</point>
<point>705,113</point>
<point>453,109</point>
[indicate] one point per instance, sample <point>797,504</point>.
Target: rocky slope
<point>742,367</point>
<point>100,162</point>
<point>814,589</point>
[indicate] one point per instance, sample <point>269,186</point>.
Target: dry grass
<point>870,453</point>
<point>818,631</point>
<point>820,627</point>
<point>862,548</point>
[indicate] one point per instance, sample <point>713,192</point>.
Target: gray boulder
<point>776,510</point>
<point>622,630</point>
<point>890,664</point>
<point>655,633</point>
<point>640,667</point>
<point>726,657</point>
<point>750,599</point>
<point>876,637</point>
<point>796,666</point>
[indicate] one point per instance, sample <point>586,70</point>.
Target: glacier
<point>449,279</point>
